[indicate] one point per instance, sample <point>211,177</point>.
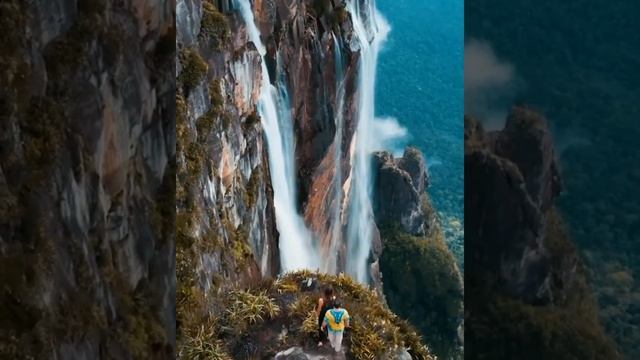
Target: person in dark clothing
<point>325,303</point>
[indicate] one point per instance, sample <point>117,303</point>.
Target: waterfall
<point>370,30</point>
<point>296,249</point>
<point>330,265</point>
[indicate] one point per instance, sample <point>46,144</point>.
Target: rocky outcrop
<point>225,227</point>
<point>526,276</point>
<point>420,278</point>
<point>398,190</point>
<point>87,166</point>
<point>512,178</point>
<point>526,142</point>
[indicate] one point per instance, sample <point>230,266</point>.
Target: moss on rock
<point>214,26</point>
<point>194,69</point>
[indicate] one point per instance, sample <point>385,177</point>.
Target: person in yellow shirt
<point>336,320</point>
<point>325,303</point>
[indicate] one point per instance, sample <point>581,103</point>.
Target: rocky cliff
<point>531,297</point>
<point>225,199</point>
<point>227,240</point>
<point>87,151</point>
<point>420,277</point>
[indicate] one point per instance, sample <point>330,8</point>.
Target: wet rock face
<point>397,196</point>
<point>307,37</point>
<point>87,156</point>
<point>225,202</point>
<point>512,179</point>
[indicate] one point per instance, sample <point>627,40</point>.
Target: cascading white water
<point>296,249</point>
<point>370,29</point>
<point>330,260</point>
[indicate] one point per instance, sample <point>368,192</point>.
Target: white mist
<point>370,30</point>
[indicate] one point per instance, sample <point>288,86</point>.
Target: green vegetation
<point>253,187</point>
<point>504,327</point>
<point>214,26</point>
<point>182,123</point>
<point>139,328</point>
<point>248,323</point>
<point>215,94</point>
<point>538,332</point>
<point>339,16</point>
<point>204,125</point>
<point>594,111</point>
<point>251,120</point>
<point>204,346</point>
<point>43,253</point>
<point>194,69</point>
<point>422,284</point>
<point>246,309</point>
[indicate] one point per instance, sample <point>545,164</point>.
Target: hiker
<point>324,304</point>
<point>336,320</point>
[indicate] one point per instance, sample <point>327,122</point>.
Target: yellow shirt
<point>336,319</point>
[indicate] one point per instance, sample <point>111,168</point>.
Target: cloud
<point>482,69</point>
<point>489,84</point>
<point>388,134</point>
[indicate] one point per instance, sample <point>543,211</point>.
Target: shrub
<point>422,283</point>
<point>214,27</point>
<point>204,345</point>
<point>215,94</point>
<point>194,68</point>
<point>246,309</point>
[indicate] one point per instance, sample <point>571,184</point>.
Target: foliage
<point>251,120</point>
<point>194,69</point>
<point>253,187</point>
<point>260,313</point>
<point>500,326</point>
<point>204,125</point>
<point>204,345</point>
<point>214,26</point>
<point>215,94</point>
<point>246,309</point>
<point>422,283</point>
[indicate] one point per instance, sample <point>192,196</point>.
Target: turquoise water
<point>421,84</point>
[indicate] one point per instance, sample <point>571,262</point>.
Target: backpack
<point>337,315</point>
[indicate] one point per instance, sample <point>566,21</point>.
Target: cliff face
<point>420,278</point>
<point>223,172</point>
<point>527,278</point>
<point>516,165</point>
<point>225,218</point>
<point>87,179</point>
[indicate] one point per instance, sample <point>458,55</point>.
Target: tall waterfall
<point>330,260</point>
<point>370,30</point>
<point>296,248</point>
